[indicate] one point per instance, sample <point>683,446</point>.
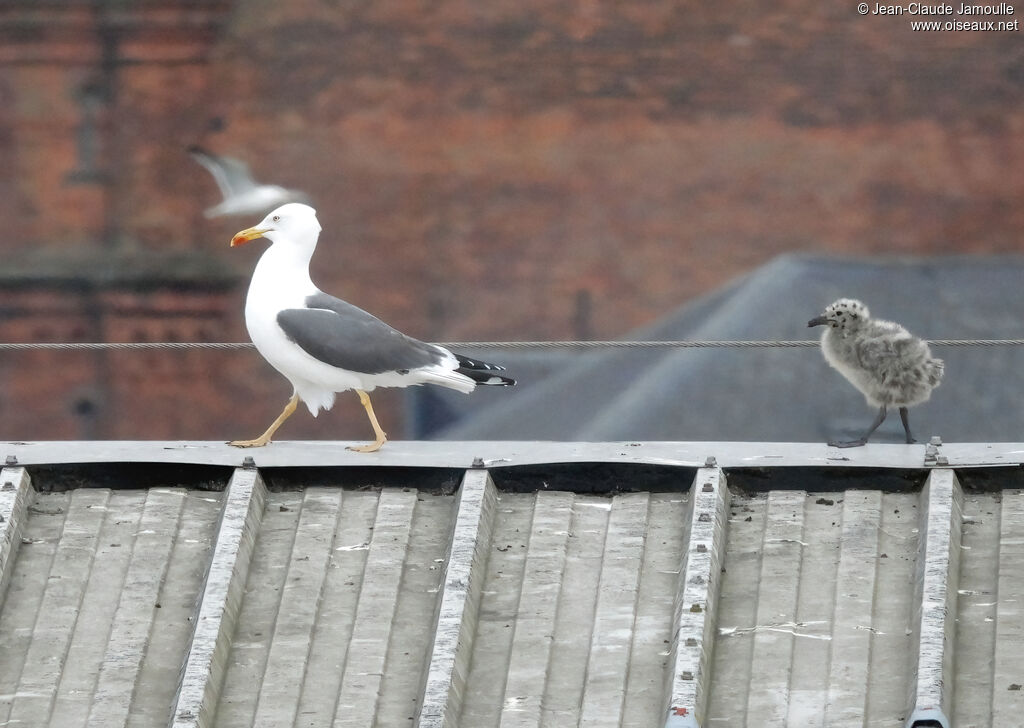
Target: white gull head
<point>293,225</point>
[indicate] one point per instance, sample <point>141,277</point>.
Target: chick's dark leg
<point>906,425</point>
<point>863,440</point>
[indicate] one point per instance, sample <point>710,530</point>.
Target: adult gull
<point>242,194</point>
<point>324,345</point>
<point>890,367</point>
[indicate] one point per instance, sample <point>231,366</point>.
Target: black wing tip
<point>483,372</point>
<point>487,379</point>
<point>475,364</point>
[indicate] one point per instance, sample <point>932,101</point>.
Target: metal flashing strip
<point>134,614</point>
<point>935,600</point>
<point>856,596</point>
<point>615,618</point>
<point>15,494</point>
<point>778,591</point>
<point>696,608</point>
<point>360,693</point>
<point>460,602</point>
<point>531,646</point>
<point>203,671</point>
<point>450,454</point>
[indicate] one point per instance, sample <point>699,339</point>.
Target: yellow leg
<point>265,437</point>
<point>374,446</point>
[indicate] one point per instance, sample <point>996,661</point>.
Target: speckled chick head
<point>844,315</point>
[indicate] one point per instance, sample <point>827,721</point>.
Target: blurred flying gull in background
<point>242,194</point>
<point>889,366</point>
<point>324,345</point>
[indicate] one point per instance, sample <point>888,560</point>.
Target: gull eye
<point>277,218</point>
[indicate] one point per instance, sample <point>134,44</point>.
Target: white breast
<point>276,284</point>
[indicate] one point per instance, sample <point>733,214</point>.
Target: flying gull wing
<point>232,175</point>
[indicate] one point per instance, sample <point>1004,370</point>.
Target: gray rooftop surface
<point>482,584</point>
<point>773,393</point>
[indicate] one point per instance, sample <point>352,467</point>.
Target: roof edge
<point>506,454</point>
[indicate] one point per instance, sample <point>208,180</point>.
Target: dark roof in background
<point>677,584</point>
<point>785,394</point>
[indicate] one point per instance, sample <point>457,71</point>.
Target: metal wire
<point>232,346</point>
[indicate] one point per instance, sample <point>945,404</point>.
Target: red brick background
<point>482,170</point>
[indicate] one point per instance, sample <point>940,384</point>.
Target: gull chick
<point>242,194</point>
<point>324,345</point>
<point>890,367</point>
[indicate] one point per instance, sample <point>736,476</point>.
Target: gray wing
<point>348,337</point>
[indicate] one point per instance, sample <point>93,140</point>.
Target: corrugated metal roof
<point>101,599</point>
<point>565,584</point>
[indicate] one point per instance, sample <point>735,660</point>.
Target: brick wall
<point>510,169</point>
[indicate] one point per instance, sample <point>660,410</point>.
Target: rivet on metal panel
<point>942,460</point>
<point>691,641</point>
<point>696,609</point>
<point>478,463</point>
<point>8,485</point>
<point>930,453</point>
<point>702,548</point>
<point>710,462</point>
<point>708,488</point>
<point>704,518</point>
<point>248,463</point>
<point>936,440</point>
<point>685,675</point>
<point>11,460</point>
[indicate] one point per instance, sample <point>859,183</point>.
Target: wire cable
<point>669,344</point>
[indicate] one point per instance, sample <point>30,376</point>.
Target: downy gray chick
<point>890,367</point>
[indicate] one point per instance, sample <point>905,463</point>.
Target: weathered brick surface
<point>476,167</point>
